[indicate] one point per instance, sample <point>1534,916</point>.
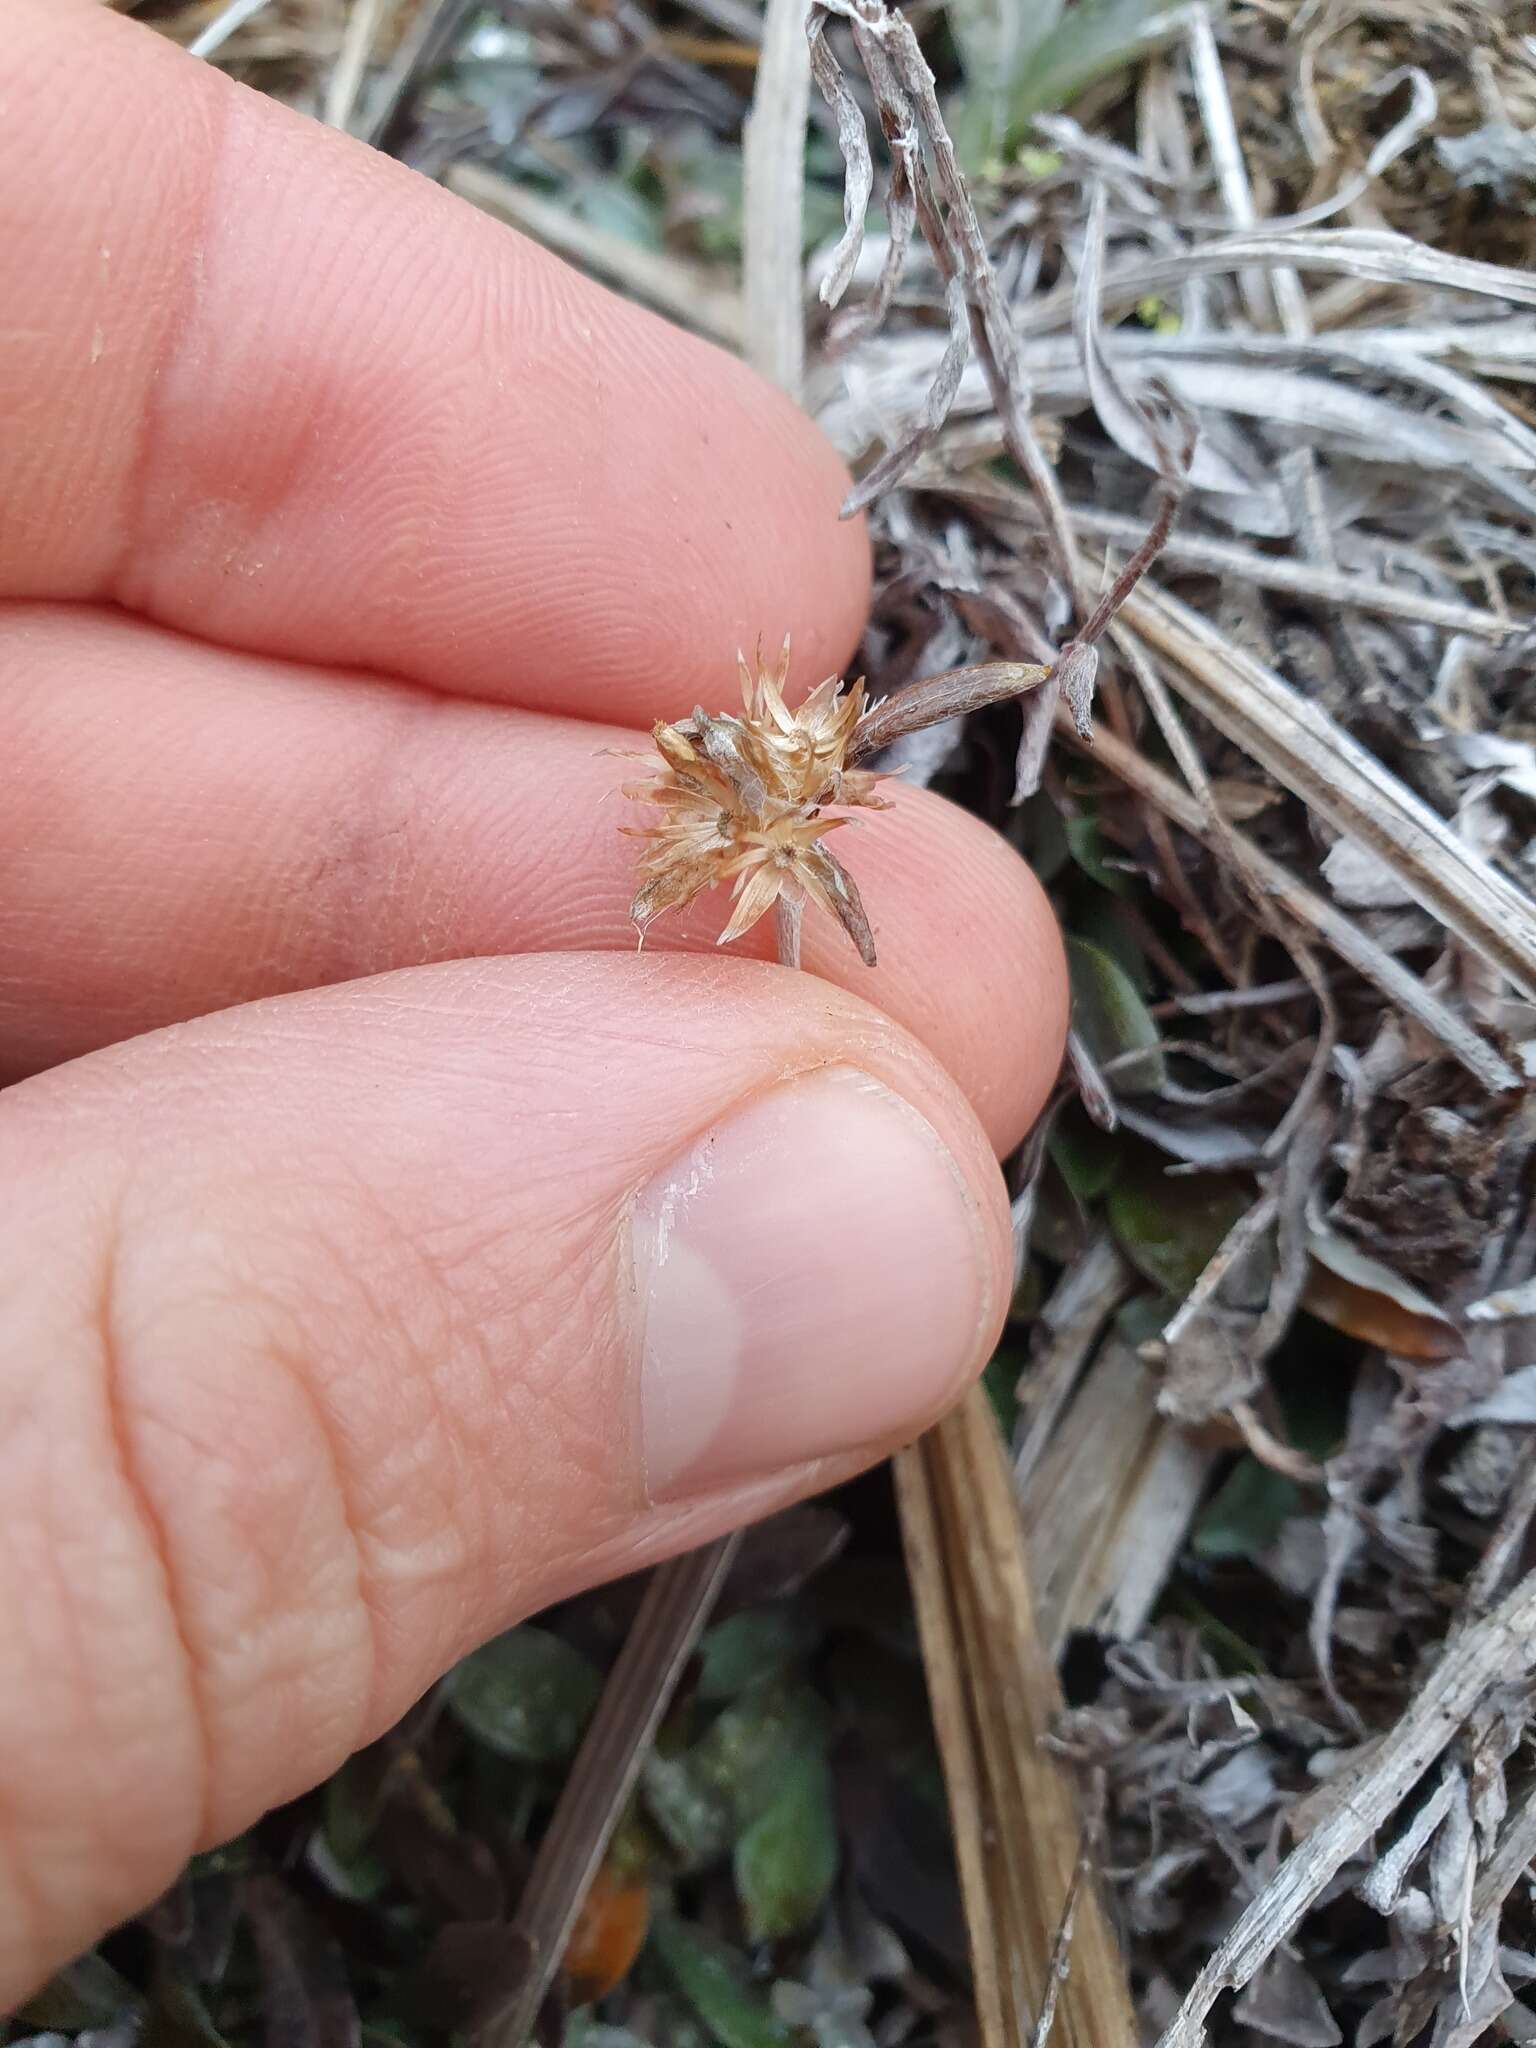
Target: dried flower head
<point>743,799</point>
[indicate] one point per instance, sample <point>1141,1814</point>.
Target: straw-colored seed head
<point>743,800</point>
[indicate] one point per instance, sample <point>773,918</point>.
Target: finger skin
<point>263,384</point>
<point>184,828</point>
<point>315,1369</point>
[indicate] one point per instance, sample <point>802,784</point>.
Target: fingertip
<point>970,955</point>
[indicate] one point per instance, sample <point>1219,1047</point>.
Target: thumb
<point>344,1329</point>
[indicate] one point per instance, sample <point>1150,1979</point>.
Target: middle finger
<point>187,828</point>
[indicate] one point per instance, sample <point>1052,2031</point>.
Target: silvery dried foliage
<point>1357,525</point>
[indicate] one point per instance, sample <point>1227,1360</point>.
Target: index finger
<point>262,384</point>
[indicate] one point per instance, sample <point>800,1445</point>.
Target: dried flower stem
<point>995,1694</point>
<point>1135,566</point>
<point>682,1593</point>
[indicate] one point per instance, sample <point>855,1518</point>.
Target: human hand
<point>352,1306</point>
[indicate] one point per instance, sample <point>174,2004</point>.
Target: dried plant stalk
<point>930,191</point>
<point>994,1693</point>
<point>639,1689</point>
<point>773,182</point>
<point>976,1844</point>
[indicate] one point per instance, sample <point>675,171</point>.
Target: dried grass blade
<point>773,171</point>
<point>1360,254</point>
<point>1123,418</point>
<point>905,94</point>
<point>1107,1507</point>
<point>995,1695</point>
<point>944,1663</point>
<point>346,78</point>
<point>638,1690</point>
<point>924,431</point>
<point>1070,1326</point>
<point>223,26</point>
<point>1428,1010</point>
<point>1304,579</point>
<point>853,142</point>
<point>1317,760</point>
<point>430,39</point>
<point>1226,151</point>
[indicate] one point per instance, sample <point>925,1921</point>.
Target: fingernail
<point>811,1276</point>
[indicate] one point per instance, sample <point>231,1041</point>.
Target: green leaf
<point>742,1758</point>
<point>1091,854</point>
<point>1086,1157</point>
<point>1112,1018</point>
<point>351,1806</point>
<point>704,1799</point>
<point>1142,1318</point>
<point>1099,919</point>
<point>869,1597</point>
<point>1248,1511</point>
<point>712,1978</point>
<point>992,38</point>
<point>1232,1654</point>
<point>1091,39</point>
<point>1042,833</point>
<point>695,1817</point>
<point>1029,1296</point>
<point>527,1695</point>
<point>1168,1224</point>
<point>882,1693</point>
<point>993,35</point>
<point>786,1861</point>
<point>618,210</point>
<point>1313,1374</point>
<point>758,1644</point>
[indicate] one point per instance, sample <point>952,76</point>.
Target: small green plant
<point>1027,57</point>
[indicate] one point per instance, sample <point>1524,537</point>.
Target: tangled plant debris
<point>1269,1390</point>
